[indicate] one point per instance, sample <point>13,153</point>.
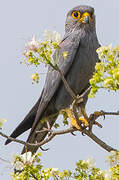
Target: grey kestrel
<point>80,41</point>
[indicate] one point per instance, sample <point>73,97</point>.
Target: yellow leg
<point>73,120</point>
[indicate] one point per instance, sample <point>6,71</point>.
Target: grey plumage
<point>81,42</point>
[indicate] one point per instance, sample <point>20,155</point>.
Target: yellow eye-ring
<point>76,14</point>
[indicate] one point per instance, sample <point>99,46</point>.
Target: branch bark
<point>61,132</point>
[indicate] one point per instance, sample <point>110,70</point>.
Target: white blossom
<point>91,162</point>
<point>52,36</point>
<point>27,158</point>
<point>55,169</point>
<point>103,49</point>
<point>18,165</point>
<point>54,172</point>
<point>33,45</point>
<point>107,175</point>
<point>113,153</point>
<point>20,161</point>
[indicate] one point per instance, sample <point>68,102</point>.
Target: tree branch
<point>109,113</point>
<point>77,100</point>
<point>85,131</point>
<point>69,90</point>
<point>93,118</point>
<point>61,132</point>
<point>99,141</point>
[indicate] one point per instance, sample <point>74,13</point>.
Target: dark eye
<point>76,14</point>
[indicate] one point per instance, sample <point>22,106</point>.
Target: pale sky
<point>19,21</point>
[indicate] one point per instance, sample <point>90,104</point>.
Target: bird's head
<point>80,17</point>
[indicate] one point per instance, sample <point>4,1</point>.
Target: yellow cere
<point>83,16</point>
<point>76,14</point>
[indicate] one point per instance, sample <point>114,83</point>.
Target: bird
<point>80,41</point>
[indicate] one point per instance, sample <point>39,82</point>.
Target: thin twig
<point>76,115</point>
<point>54,133</point>
<point>110,113</point>
<point>85,131</point>
<point>69,90</point>
<point>85,92</point>
<point>97,114</point>
<point>99,141</point>
<point>88,133</point>
<point>78,101</point>
<point>12,139</point>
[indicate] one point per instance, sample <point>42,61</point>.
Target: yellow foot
<point>73,120</point>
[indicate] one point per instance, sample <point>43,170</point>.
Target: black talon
<point>73,134</point>
<point>103,114</point>
<point>44,149</point>
<point>83,134</point>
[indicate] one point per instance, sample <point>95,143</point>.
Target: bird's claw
<point>103,114</point>
<point>92,120</point>
<point>82,129</point>
<point>44,149</point>
<point>73,133</point>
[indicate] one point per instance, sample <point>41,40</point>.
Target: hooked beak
<point>86,19</point>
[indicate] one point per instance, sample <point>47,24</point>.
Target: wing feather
<point>70,43</point>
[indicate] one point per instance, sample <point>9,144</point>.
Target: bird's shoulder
<point>69,44</point>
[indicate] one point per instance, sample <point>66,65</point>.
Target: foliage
<point>28,166</point>
<point>107,70</point>
<point>106,76</point>
<point>37,51</point>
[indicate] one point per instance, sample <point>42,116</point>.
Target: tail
<point>26,123</point>
<point>38,137</point>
